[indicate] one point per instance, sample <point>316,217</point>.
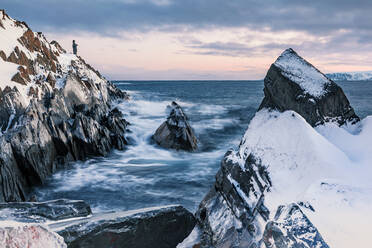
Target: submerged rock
<point>144,228</point>
<point>176,132</point>
<point>58,109</point>
<point>292,229</point>
<point>294,84</point>
<point>43,211</point>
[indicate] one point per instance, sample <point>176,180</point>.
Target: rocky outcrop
<point>235,212</point>
<point>176,132</point>
<point>63,113</point>
<point>232,213</point>
<point>292,229</point>
<point>43,211</point>
<point>294,84</point>
<point>154,227</point>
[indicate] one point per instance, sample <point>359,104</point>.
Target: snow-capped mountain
<point>351,76</point>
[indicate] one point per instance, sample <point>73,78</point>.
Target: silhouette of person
<point>74,47</point>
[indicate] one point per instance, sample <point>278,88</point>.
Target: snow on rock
<point>306,146</point>
<point>18,235</point>
<point>311,80</point>
<point>327,167</point>
<point>10,31</point>
<point>283,159</point>
<point>293,84</point>
<point>290,229</point>
<point>54,108</point>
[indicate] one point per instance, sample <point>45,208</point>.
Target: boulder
<point>176,132</point>
<point>43,211</point>
<point>144,228</point>
<point>31,236</point>
<point>292,83</point>
<point>292,229</point>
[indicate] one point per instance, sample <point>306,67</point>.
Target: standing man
<point>74,47</point>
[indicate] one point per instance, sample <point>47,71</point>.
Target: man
<point>74,47</point>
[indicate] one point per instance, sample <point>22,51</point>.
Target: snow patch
<point>298,70</point>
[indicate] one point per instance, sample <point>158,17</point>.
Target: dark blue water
<point>145,175</point>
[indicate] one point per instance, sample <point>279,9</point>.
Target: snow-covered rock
<point>16,235</point>
<point>292,229</point>
<point>282,159</point>
<point>176,132</point>
<point>54,108</point>
<point>292,83</point>
<point>351,76</point>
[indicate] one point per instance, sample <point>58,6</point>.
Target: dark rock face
<point>43,211</point>
<point>157,227</point>
<point>56,129</point>
<point>175,132</point>
<point>285,89</point>
<point>292,229</point>
<point>231,213</point>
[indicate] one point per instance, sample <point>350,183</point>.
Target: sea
<point>146,175</point>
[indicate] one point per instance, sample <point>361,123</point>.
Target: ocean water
<point>146,175</point>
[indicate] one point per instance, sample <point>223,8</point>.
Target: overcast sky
<point>204,39</point>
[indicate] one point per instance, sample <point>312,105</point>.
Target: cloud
<point>204,38</point>
<point>108,16</point>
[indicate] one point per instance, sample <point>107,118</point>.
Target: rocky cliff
<point>264,189</point>
<point>54,108</point>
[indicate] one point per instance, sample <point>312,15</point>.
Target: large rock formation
<point>279,158</point>
<point>294,84</point>
<point>175,132</point>
<point>54,108</point>
<point>144,228</point>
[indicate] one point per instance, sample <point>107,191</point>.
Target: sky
<point>203,39</point>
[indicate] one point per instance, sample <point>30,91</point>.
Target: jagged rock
<point>232,212</point>
<point>153,227</point>
<point>30,236</point>
<point>294,84</point>
<point>292,229</point>
<point>43,211</point>
<point>64,113</point>
<point>175,132</point>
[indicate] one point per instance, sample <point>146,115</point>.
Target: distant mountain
<point>351,76</point>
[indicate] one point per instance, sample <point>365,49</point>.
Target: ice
<point>295,68</point>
